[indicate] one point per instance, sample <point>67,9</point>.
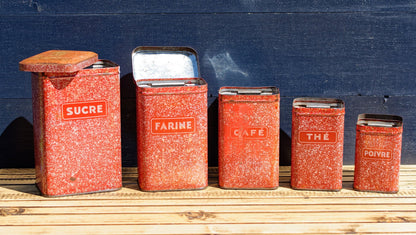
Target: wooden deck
<point>210,211</point>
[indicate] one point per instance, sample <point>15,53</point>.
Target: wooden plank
<point>162,209</point>
<point>173,7</point>
<point>202,217</point>
<point>131,191</point>
<point>304,228</point>
<point>11,189</point>
<point>127,200</point>
<point>358,53</point>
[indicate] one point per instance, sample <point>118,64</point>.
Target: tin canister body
<point>317,143</point>
<point>378,153</point>
<point>248,137</point>
<point>172,136</point>
<point>76,120</point>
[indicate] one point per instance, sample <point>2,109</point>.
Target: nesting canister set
<point>77,134</point>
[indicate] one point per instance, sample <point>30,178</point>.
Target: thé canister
<point>317,143</point>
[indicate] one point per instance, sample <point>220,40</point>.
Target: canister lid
<point>170,83</point>
<point>379,120</point>
<point>311,102</point>
<point>248,91</point>
<point>60,61</point>
<point>164,62</point>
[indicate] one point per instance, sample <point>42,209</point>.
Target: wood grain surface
<point>209,211</point>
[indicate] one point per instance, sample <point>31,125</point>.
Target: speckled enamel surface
<point>171,157</point>
<point>58,61</point>
<point>248,141</point>
<point>77,155</point>
<point>317,165</point>
<point>377,172</point>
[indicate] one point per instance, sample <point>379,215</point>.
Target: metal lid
<point>58,61</point>
<point>170,83</point>
<point>326,103</point>
<point>249,91</point>
<point>164,62</point>
<point>379,120</point>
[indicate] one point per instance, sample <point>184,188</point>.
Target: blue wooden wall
<point>363,52</point>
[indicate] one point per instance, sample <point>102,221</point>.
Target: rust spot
<point>11,211</point>
<point>197,215</point>
<point>72,179</point>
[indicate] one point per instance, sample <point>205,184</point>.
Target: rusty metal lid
<point>60,61</point>
<point>164,62</point>
<point>248,91</point>
<point>379,120</point>
<point>170,83</point>
<point>317,102</point>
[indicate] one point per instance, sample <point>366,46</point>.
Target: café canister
<point>172,133</point>
<point>317,143</point>
<point>76,122</point>
<point>248,137</point>
<point>377,153</point>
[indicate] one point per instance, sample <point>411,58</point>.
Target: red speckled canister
<point>76,121</point>
<point>377,153</point>
<point>248,137</point>
<point>172,133</point>
<point>317,143</point>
